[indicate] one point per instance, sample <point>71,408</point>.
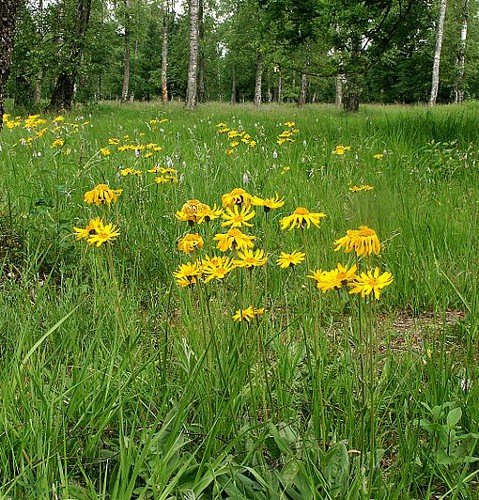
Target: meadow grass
<point>117,383</point>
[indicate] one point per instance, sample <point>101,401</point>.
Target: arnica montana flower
<point>364,241</point>
<point>370,282</point>
<point>187,274</point>
<point>247,314</point>
<point>339,150</point>
<point>102,194</point>
<point>301,217</point>
<point>216,267</point>
<point>335,279</point>
<point>357,189</point>
<point>234,240</point>
<point>195,212</point>
<point>190,242</point>
<point>237,196</point>
<point>250,259</point>
<point>237,216</point>
<point>268,203</point>
<point>292,259</point>
<point>96,232</point>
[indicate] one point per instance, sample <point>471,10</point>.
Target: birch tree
<point>461,56</point>
<point>437,52</point>
<point>8,11</point>
<point>192,88</point>
<point>164,51</point>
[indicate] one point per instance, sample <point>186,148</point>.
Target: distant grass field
<point>117,382</point>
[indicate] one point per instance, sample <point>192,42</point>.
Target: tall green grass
<point>134,388</point>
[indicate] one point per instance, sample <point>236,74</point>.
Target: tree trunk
<point>437,53</point>
<point>164,52</point>
<point>126,56</point>
<point>62,97</point>
<point>233,88</point>
<point>461,57</point>
<point>258,80</point>
<point>8,12</point>
<point>280,89</point>
<point>304,90</point>
<point>339,90</point>
<point>351,93</point>
<point>201,54</point>
<point>192,89</point>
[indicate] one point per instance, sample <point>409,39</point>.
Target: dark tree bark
<point>8,13</point>
<point>62,97</point>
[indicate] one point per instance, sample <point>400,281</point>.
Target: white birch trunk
<point>126,56</point>
<point>461,58</point>
<point>164,52</point>
<point>437,52</point>
<point>192,89</point>
<point>258,80</point>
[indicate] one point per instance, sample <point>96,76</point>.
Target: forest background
<point>244,50</point>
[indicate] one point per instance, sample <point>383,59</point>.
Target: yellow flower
<point>234,144</point>
<point>221,125</point>
<point>369,282</point>
<point>113,141</point>
<point>340,150</point>
<point>250,259</point>
<point>289,124</point>
<point>190,242</point>
<point>161,179</point>
<point>59,119</point>
<point>234,239</point>
<point>102,194</point>
<point>85,233</point>
<point>129,171</point>
<point>364,241</point>
<point>378,156</point>
<point>148,155</point>
<point>365,187</point>
<point>247,314</point>
<point>301,217</point>
<point>237,196</point>
<point>96,233</point>
<point>268,203</point>
<point>105,151</point>
<point>195,212</point>
<point>237,217</point>
<point>286,260</point>
<point>57,143</point>
<point>216,267</point>
<point>335,279</point>
<point>187,274</point>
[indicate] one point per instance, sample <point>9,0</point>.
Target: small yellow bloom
<point>335,279</point>
<point>102,194</point>
<point>249,259</point>
<point>378,156</point>
<point>364,241</point>
<point>237,196</point>
<point>234,240</point>
<point>237,217</point>
<point>216,267</point>
<point>104,233</point>
<point>365,187</point>
<point>190,242</point>
<point>57,143</point>
<point>292,259</point>
<point>247,314</point>
<point>187,274</point>
<point>301,218</point>
<point>268,203</point>
<point>105,151</point>
<point>369,282</point>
